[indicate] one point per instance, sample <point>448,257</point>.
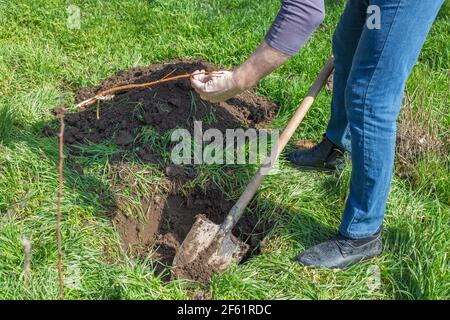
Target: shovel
<point>210,248</point>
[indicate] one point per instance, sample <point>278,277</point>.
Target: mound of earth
<point>163,107</point>
<point>157,227</point>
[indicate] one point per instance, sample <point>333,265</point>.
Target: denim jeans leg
<point>381,65</point>
<point>345,41</point>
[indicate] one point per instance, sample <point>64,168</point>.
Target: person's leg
<point>345,41</point>
<point>328,154</point>
<point>381,65</point>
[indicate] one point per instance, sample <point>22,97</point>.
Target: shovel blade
<point>206,250</point>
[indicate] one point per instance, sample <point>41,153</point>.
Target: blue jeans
<point>371,69</point>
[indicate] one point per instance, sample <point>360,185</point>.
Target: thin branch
<point>60,191</point>
<point>107,94</point>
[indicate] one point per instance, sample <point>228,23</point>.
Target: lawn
<point>43,62</point>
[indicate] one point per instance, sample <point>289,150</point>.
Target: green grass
<point>42,62</point>
<point>6,122</point>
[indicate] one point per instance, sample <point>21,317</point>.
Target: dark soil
<point>166,213</point>
<point>162,107</point>
<point>168,218</point>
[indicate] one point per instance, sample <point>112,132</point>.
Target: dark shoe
<point>341,252</point>
<point>325,156</point>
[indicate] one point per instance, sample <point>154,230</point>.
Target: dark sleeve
<point>294,24</point>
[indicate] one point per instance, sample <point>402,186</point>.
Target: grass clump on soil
<point>45,64</point>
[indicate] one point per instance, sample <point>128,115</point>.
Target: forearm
<point>262,62</point>
<point>293,26</point>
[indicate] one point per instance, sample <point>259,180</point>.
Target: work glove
<point>215,87</point>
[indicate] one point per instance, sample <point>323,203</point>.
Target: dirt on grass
<point>157,226</point>
<point>163,107</point>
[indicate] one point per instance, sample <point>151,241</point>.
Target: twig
<point>107,94</point>
<point>60,191</point>
<point>167,75</point>
<point>98,110</point>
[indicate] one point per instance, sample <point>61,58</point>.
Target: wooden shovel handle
<point>238,209</point>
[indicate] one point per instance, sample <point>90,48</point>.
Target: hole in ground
<point>161,219</point>
<point>169,217</point>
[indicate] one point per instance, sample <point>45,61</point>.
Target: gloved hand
<point>216,87</point>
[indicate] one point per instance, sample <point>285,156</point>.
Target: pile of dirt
<point>165,214</point>
<point>163,107</point>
